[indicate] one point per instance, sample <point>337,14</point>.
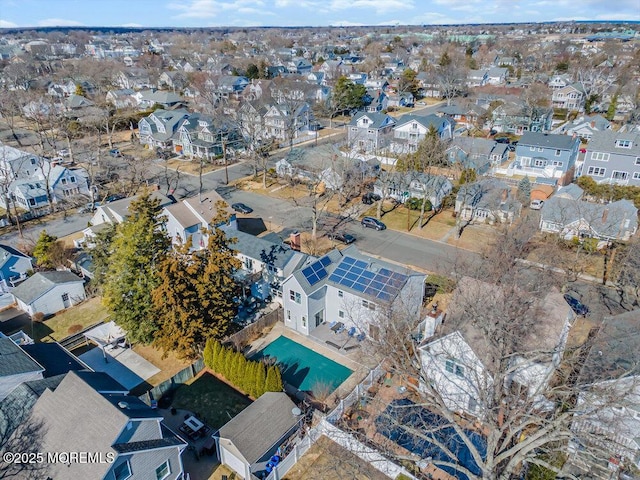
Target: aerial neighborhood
<point>367,252</point>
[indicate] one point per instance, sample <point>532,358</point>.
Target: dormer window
<point>624,143</point>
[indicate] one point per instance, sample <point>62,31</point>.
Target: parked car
<point>536,204</point>
<point>502,140</point>
<point>370,222</point>
<point>575,304</point>
<point>114,197</point>
<point>63,153</point>
<point>369,198</point>
<point>241,208</point>
<point>114,152</point>
<point>343,237</point>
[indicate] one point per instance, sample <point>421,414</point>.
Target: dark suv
<point>371,222</point>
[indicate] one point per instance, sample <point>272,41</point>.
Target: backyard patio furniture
<point>341,329</point>
<point>352,331</point>
<point>337,327</point>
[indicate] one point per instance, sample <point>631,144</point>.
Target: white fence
<point>356,394</point>
<point>299,449</point>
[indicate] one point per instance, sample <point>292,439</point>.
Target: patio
<point>122,364</point>
<point>337,336</point>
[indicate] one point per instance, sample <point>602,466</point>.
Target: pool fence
<point>299,448</point>
<point>356,394</point>
<point>252,331</point>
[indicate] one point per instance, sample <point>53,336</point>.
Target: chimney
<point>593,124</point>
<point>505,194</point>
<point>294,240</point>
<point>605,214</point>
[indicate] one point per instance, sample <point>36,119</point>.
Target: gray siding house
<point>547,155</point>
<point>370,132</point>
<point>613,157</point>
<point>90,413</point>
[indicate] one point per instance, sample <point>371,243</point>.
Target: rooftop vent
<point>123,405</point>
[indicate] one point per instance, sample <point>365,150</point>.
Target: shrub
<point>38,317</point>
<point>75,328</point>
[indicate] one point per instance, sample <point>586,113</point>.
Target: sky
<point>214,13</point>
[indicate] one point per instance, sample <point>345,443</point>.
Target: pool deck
<point>348,359</point>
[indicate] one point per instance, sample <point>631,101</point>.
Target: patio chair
<point>352,331</point>
<point>341,329</point>
<point>361,337</point>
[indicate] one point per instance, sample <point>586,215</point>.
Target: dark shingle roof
<point>54,358</point>
<point>40,283</point>
<point>14,360</point>
<point>547,140</point>
<point>259,426</point>
<point>606,142</point>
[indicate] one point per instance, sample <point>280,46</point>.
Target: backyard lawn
<point>210,399</point>
<point>70,321</point>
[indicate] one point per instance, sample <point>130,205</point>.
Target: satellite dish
<point>296,411</point>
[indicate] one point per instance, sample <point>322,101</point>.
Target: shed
<point>248,441</point>
<point>49,292</point>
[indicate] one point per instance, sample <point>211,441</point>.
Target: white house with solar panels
<point>348,287</point>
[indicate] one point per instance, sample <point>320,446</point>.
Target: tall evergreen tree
<point>274,379</point>
<point>139,246</point>
<point>194,299</point>
<point>101,253</point>
<point>524,190</point>
<point>260,380</point>
<point>45,250</point>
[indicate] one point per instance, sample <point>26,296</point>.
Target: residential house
<point>149,98</point>
<point>403,186</point>
<point>467,116</point>
<point>370,132</point>
<point>460,363</point>
<point>199,136</point>
<point>404,99</point>
<point>189,219</point>
<point>133,78</point>
<point>429,85</point>
<point>607,420</point>
<point>49,292</point>
<point>75,102</point>
<point>585,126</point>
<point>299,66</point>
<point>568,215</point>
<point>287,122</point>
<point>497,75</point>
<point>354,289</point>
<point>265,262</point>
<point>115,212</point>
<point>487,201</point>
<point>571,97</point>
<point>613,157</point>
<point>14,266</point>
<point>248,441</point>
<point>514,116</point>
<point>410,130</point>
<point>122,98</point>
<point>547,155</point>
<point>558,82</point>
<point>379,102</point>
<point>376,84</point>
<point>479,154</point>
<point>16,367</point>
<point>17,164</point>
<point>106,420</point>
<point>477,78</point>
<point>158,129</point>
<point>173,79</point>
<point>227,86</point>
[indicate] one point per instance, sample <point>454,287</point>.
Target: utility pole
<point>224,157</point>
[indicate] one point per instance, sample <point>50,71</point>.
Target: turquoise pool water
<point>303,368</point>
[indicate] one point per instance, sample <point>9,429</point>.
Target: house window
<point>65,297</point>
<point>616,175</point>
<point>600,156</point>
<point>122,471</point>
<point>163,471</point>
<point>370,305</point>
<point>248,264</point>
<point>637,160</point>
<point>533,149</point>
<point>596,171</point>
<point>64,181</point>
<point>636,175</point>
<point>295,296</point>
<point>32,202</point>
<point>539,162</point>
<point>340,313</point>
<point>557,153</point>
<point>540,149</point>
<point>33,161</point>
<point>304,322</point>
<point>73,179</point>
<point>319,317</point>
<point>288,315</point>
<point>557,163</point>
<point>371,132</point>
<point>452,367</point>
<point>624,143</point>
<point>340,293</point>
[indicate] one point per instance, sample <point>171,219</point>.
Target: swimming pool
<point>303,368</point>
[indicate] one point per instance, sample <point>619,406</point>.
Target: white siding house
<point>49,292</point>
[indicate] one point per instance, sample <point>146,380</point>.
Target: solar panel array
<point>383,283</point>
<point>317,270</point>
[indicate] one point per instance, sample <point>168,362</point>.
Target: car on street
<point>370,222</point>
<point>369,198</point>
<point>114,152</point>
<point>343,237</point>
<point>575,304</point>
<point>536,204</point>
<point>502,140</point>
<point>241,208</point>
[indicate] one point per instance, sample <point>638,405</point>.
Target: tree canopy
<point>139,246</point>
<point>347,95</point>
<point>193,300</point>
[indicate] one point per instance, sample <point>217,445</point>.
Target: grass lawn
<point>210,399</point>
<point>327,460</point>
<point>396,219</point>
<point>587,263</point>
<point>474,237</point>
<point>169,366</point>
<point>58,327</point>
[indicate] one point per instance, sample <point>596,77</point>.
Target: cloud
<point>59,22</point>
<point>132,25</point>
<point>211,8</point>
<point>5,24</point>
<point>379,6</point>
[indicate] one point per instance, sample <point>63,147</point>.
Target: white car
<point>63,153</point>
<point>536,204</point>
